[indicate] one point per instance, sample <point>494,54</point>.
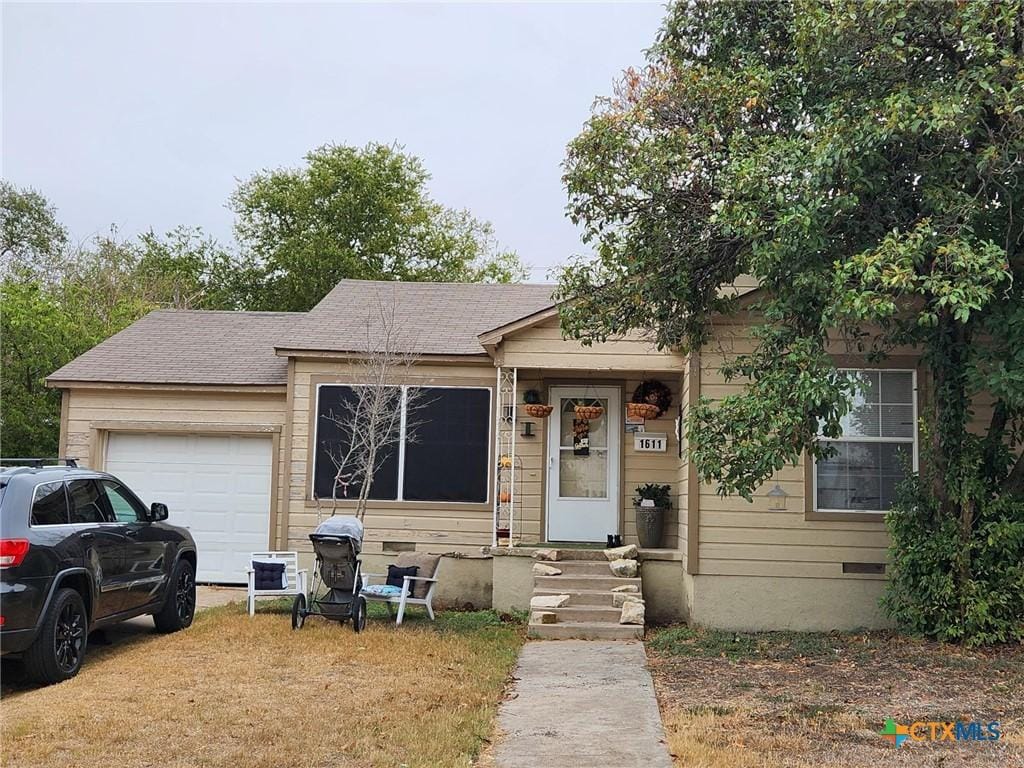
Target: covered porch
<point>568,481</point>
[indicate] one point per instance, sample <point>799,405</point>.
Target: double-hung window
<point>877,448</point>
<point>441,456</point>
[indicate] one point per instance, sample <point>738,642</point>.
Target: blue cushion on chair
<point>269,575</point>
<point>382,590</point>
<point>397,574</point>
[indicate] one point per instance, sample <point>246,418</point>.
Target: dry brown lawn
<point>791,700</point>
<point>238,692</point>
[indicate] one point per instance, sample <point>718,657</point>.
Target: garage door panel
<point>217,486</point>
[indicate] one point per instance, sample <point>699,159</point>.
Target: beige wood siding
<point>748,538</point>
<point>437,527</point>
<point>542,347</point>
<point>743,538</point>
<point>93,412</point>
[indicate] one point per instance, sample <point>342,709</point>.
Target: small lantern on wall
<point>777,499</point>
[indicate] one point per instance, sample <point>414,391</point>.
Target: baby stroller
<point>334,592</point>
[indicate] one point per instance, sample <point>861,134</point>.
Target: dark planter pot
<point>650,525</point>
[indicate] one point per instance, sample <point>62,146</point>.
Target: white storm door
<point>217,486</point>
<point>583,493</point>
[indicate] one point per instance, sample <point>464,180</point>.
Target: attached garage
<point>188,408</point>
<point>217,486</point>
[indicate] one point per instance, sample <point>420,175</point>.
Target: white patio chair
<point>295,576</point>
<point>405,598</point>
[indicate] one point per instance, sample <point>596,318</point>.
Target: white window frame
<point>905,440</point>
<point>401,441</point>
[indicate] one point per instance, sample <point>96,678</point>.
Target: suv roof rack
<point>37,463</point>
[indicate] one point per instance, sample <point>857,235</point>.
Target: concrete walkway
<point>582,704</point>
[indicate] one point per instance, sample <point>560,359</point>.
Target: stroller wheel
<point>359,614</point>
<point>299,612</point>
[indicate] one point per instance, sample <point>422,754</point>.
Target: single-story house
<point>221,415</point>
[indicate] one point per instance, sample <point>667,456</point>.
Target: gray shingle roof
<point>188,347</point>
<point>431,318</point>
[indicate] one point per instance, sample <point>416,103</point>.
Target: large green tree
<point>864,161</point>
<point>56,302</point>
<point>31,238</point>
<point>360,213</point>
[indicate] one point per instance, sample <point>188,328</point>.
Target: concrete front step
<point>581,581</point>
<point>600,597</point>
<point>602,613</point>
<point>570,555</point>
<point>582,567</point>
<point>585,630</point>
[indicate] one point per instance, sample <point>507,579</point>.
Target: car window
<point>125,508</point>
<point>50,505</point>
<point>88,505</point>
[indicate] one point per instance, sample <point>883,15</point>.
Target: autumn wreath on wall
<point>650,400</point>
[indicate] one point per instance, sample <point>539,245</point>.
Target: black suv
<point>79,551</point>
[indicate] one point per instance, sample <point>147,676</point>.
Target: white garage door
<point>216,486</point>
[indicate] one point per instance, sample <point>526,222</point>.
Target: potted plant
<point>652,503</point>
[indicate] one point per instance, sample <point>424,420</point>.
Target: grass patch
<point>818,700</point>
<point>714,643</point>
<point>236,691</point>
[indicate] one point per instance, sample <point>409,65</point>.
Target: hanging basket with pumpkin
<point>588,412</point>
<point>642,410</point>
<point>653,392</point>
<point>538,410</point>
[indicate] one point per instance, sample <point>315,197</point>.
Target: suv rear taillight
<point>12,552</point>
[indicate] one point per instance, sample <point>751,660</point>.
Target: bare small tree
<point>370,423</point>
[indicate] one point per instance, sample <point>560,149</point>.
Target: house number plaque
<point>650,441</point>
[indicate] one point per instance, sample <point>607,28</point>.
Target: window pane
<point>896,462</point>
<point>447,459</point>
<point>862,476</point>
<point>832,490</point>
<point>897,421</point>
<point>86,502</point>
<point>337,407</point>
<point>583,477</point>
<point>866,384</point>
<point>862,420</point>
<point>897,387</point>
<point>125,509</point>
<point>50,505</point>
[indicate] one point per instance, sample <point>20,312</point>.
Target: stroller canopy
<point>342,525</point>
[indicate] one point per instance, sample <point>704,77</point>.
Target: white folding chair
<point>296,577</point>
<point>405,598</point>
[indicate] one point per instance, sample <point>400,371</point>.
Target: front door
<point>583,494</point>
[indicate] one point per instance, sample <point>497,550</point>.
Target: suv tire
<point>58,651</point>
<point>180,605</point>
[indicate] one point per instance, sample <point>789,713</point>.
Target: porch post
<point>505,445</point>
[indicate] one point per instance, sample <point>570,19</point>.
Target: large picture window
<point>878,444</point>
<point>443,454</point>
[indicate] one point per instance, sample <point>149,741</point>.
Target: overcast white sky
<point>144,115</point>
